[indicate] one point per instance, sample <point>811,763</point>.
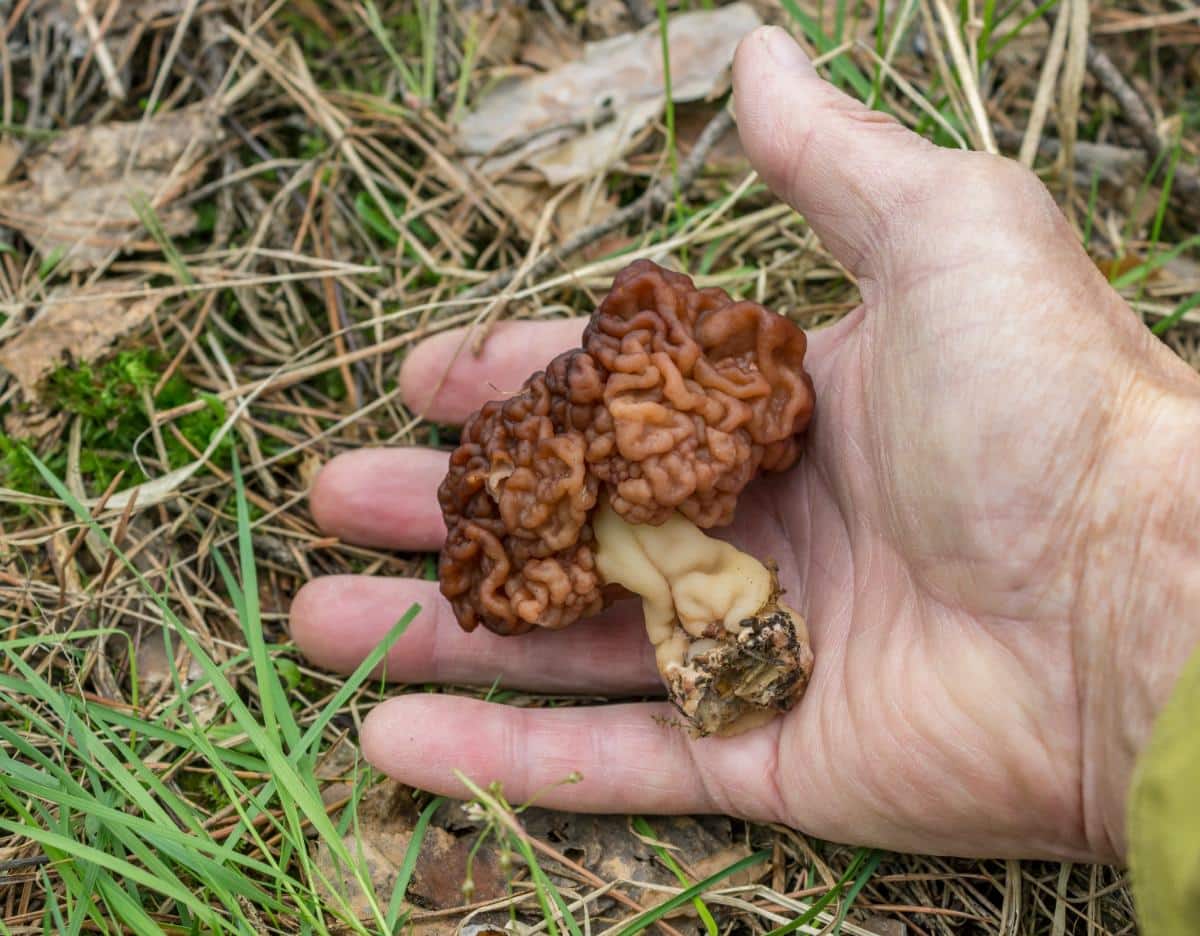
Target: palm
<point>927,533</point>
<point>931,513</point>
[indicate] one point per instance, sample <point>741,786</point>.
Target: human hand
<point>967,532</point>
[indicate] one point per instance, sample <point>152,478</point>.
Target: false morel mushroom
<point>597,478</point>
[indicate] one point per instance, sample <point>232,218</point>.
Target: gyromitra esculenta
<point>599,475</point>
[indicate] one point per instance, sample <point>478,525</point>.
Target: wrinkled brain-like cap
<point>678,397</point>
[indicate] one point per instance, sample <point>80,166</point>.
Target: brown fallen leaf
<point>524,203</point>
<point>158,667</point>
<point>720,860</point>
<point>501,30</point>
<point>608,846</point>
<point>726,155</point>
<point>80,193</point>
<point>608,18</point>
<point>546,44</point>
<point>33,423</point>
<point>74,328</point>
<point>884,927</point>
<point>10,155</point>
<point>386,818</point>
<point>583,207</point>
<point>578,117</point>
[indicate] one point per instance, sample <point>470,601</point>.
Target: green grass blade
<point>380,32</point>
<point>300,787</point>
<point>1089,222</point>
<point>277,714</point>
<point>127,910</point>
<point>429,44</point>
<point>1143,270</point>
<point>869,864</point>
<point>79,851</point>
<point>1033,16</point>
<point>841,68</point>
<point>150,221</point>
<point>356,679</point>
<point>850,874</point>
<point>470,50</point>
<point>648,918</point>
<point>665,42</point>
<point>409,864</point>
<point>643,828</point>
<point>1164,324</point>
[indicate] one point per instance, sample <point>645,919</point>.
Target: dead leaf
<point>81,328</point>
<point>522,203</point>
<point>720,860</point>
<point>483,929</point>
<point>608,846</point>
<point>80,195</point>
<point>386,818</point>
<point>156,667</point>
<point>436,882</point>
<point>608,18</point>
<point>33,423</point>
<point>502,30</point>
<point>340,761</point>
<point>575,119</point>
<point>726,155</point>
<point>884,927</point>
<point>310,466</point>
<point>10,155</point>
<point>583,207</point>
<point>547,45</point>
<point>586,205</point>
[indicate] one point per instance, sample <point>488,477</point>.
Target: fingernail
<point>784,51</point>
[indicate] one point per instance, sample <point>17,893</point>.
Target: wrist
<point>1138,613</point>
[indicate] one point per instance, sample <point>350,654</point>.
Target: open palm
<point>936,534</point>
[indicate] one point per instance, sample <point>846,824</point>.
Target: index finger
<point>445,381</point>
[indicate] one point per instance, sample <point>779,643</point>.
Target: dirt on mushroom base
<point>731,654</point>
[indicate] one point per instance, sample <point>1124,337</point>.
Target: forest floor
<point>223,225</point>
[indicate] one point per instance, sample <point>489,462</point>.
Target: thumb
<point>851,171</point>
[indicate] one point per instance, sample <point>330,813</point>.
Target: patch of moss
<point>110,399</point>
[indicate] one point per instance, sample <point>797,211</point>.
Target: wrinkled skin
<point>958,532</point>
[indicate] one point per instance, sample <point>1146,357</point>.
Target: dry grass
<point>330,225</point>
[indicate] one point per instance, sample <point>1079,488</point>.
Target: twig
<point>653,199</point>
<point>104,59</point>
<point>1186,182</point>
<point>968,78</point>
<point>1045,91</point>
<point>13,864</point>
<point>1071,89</point>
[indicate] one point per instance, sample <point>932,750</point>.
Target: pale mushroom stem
<point>732,655</point>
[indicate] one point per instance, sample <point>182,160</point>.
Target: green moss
<point>110,400</point>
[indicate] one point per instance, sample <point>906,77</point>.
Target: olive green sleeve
<point>1164,816</point>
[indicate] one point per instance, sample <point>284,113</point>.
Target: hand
<point>963,532</point>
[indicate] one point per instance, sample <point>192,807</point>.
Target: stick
<point>653,199</point>
<point>1187,182</point>
<point>104,59</point>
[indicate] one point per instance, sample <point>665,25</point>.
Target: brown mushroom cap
<point>678,397</point>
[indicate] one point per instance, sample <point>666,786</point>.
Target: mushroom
<point>599,476</point>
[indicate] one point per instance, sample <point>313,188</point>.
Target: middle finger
<point>338,619</point>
